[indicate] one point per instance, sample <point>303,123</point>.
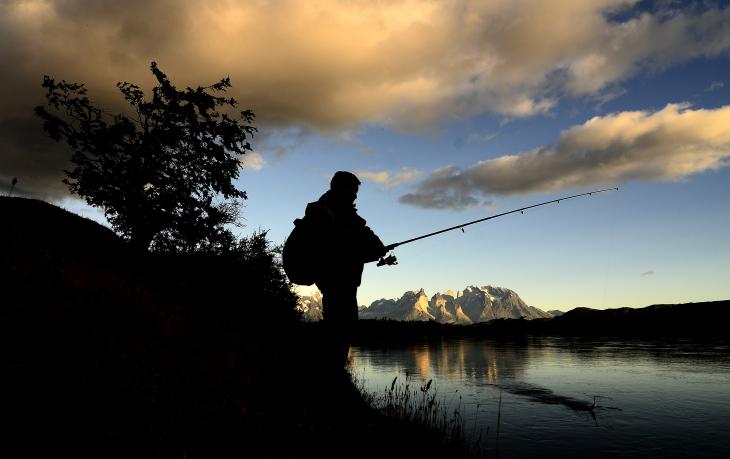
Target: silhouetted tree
<point>162,174</point>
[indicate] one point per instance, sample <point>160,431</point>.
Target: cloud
<point>668,144</point>
<point>441,190</point>
<point>715,85</point>
<point>489,206</point>
<point>481,137</point>
<point>328,65</point>
<point>27,153</point>
<point>390,179</point>
<point>647,273</point>
<point>253,161</point>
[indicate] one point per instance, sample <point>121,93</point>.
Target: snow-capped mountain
<point>472,305</point>
<point>446,310</point>
<point>311,306</point>
<point>411,306</point>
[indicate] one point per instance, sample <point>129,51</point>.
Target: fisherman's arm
<point>373,247</point>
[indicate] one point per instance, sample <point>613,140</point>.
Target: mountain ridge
<point>469,306</point>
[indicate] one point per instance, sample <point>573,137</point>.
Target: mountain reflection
<point>477,361</point>
<point>594,394</point>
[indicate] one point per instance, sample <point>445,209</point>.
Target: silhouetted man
<point>346,245</point>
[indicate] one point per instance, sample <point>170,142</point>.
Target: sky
<point>448,112</point>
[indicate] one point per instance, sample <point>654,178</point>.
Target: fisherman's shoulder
<point>317,210</point>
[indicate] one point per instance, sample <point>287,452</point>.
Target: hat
<point>344,178</point>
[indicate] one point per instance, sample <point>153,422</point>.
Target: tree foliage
<point>163,174</point>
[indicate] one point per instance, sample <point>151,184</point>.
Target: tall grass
<point>421,407</point>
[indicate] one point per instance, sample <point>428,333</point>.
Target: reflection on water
<point>574,397</point>
<point>457,360</point>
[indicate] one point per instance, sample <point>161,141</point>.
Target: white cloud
<point>390,179</point>
<point>476,137</point>
<point>253,161</point>
<point>668,144</point>
<point>715,85</point>
<point>489,206</point>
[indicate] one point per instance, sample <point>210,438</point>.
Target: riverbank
<point>108,353</point>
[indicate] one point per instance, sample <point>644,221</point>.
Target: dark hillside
<point>690,320</point>
<point>707,318</point>
<point>697,320</point>
<point>56,257</point>
<point>81,335</point>
<point>53,228</point>
<point>109,353</point>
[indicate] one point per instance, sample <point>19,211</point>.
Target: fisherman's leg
<point>349,320</point>
<point>339,310</point>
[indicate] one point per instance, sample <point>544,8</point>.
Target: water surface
<point>572,398</point>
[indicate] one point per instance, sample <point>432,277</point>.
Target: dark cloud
<point>92,42</point>
<point>442,190</point>
<point>325,66</point>
<point>27,154</point>
<point>647,273</point>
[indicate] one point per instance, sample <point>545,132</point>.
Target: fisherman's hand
<point>391,260</point>
<point>373,250</point>
<point>384,252</point>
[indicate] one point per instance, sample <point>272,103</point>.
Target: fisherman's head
<point>345,186</point>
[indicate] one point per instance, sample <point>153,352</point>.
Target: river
<point>570,398</point>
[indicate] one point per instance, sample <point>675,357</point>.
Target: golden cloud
<point>329,65</point>
<point>391,179</point>
<point>668,144</point>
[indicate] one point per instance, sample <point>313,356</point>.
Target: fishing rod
<point>391,260</point>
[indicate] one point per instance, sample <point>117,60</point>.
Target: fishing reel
<point>389,260</point>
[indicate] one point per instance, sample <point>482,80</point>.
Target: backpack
<point>300,257</point>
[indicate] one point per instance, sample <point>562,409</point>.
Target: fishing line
<point>391,260</point>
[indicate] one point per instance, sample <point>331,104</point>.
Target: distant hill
<point>708,318</point>
<point>703,320</point>
<point>499,311</point>
<point>469,306</point>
